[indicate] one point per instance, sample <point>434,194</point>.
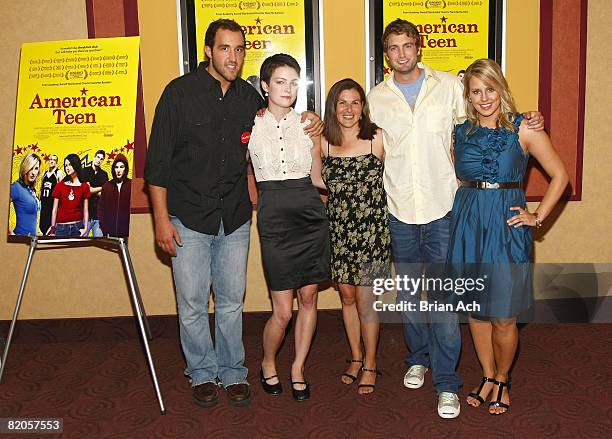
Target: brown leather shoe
<point>239,394</point>
<point>206,395</point>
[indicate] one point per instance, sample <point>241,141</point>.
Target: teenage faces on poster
<point>114,202</point>
<point>24,196</point>
<point>57,203</point>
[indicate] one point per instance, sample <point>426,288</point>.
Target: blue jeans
<point>68,229</point>
<point>434,338</point>
<point>94,226</point>
<point>219,261</point>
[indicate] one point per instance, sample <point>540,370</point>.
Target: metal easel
<point>141,317</point>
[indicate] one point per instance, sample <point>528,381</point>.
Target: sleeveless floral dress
<point>357,212</point>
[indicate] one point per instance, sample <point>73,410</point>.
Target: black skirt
<point>294,234</point>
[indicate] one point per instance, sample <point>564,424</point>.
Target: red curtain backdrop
<point>563,34</point>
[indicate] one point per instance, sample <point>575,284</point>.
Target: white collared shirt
<point>419,174</point>
<point>280,150</point>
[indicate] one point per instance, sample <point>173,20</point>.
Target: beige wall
<point>82,282</point>
<point>522,51</point>
<point>344,34</point>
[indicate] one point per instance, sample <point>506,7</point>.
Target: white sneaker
<point>448,405</point>
<point>415,377</point>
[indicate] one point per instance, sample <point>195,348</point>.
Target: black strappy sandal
<point>476,395</point>
<point>372,386</point>
<point>353,378</point>
<point>500,392</point>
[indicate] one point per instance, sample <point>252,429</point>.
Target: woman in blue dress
<point>24,197</point>
<point>491,226</point>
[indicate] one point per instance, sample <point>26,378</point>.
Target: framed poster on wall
<point>454,33</point>
<point>270,27</point>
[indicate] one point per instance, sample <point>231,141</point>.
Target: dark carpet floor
<point>93,374</point>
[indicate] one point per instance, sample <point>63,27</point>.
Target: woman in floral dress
<point>357,210</point>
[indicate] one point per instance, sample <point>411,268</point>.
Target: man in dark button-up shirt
<point>196,171</point>
<point>198,150</point>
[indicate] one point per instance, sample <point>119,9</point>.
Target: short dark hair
<point>273,62</point>
<point>332,131</point>
<point>221,23</point>
<point>100,151</point>
<point>400,27</point>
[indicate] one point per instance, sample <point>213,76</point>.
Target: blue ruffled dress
<point>482,245</point>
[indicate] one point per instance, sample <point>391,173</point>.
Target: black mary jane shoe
<point>300,395</point>
<point>270,389</point>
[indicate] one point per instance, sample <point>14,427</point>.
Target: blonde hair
<point>489,72</point>
<point>26,166</point>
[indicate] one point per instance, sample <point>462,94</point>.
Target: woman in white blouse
<point>292,220</point>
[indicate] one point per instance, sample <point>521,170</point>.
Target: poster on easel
<point>454,33</point>
<point>270,27</point>
<point>73,147</point>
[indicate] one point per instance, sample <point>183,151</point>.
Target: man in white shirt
<point>417,108</point>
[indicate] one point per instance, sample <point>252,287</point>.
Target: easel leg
<point>138,303</point>
<point>18,305</point>
<point>132,282</point>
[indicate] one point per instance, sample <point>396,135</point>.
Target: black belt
<point>482,184</point>
<point>271,185</point>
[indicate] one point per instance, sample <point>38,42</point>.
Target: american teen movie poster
<point>73,149</point>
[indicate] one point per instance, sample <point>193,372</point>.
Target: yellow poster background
<point>76,96</point>
<point>454,33</point>
<point>270,27</point>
